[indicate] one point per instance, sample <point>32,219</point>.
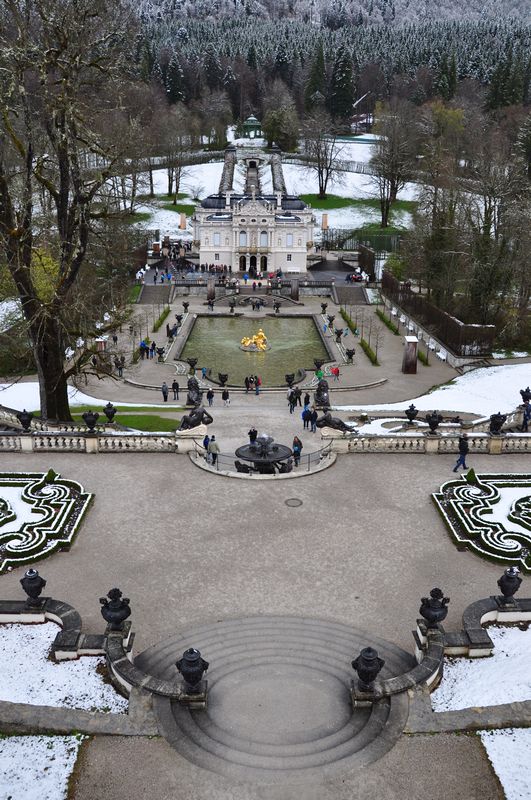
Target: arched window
<point>263,239</point>
<point>243,239</point>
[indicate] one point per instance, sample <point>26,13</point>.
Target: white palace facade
<point>259,229</point>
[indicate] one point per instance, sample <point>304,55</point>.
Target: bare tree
<point>321,149</point>
<point>62,65</point>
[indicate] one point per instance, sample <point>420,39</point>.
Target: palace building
<point>252,224</point>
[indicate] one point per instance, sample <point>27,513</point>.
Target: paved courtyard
<point>195,549</point>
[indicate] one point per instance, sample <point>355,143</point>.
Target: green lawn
<point>134,291</point>
<point>180,208</point>
<point>334,201</point>
<point>142,422</point>
<point>162,409</point>
<point>164,196</point>
<point>137,216</point>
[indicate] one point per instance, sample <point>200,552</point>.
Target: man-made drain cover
<point>293,502</point>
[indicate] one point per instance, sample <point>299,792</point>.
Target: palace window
<point>216,256</point>
<point>263,239</point>
<point>217,239</point>
<point>243,239</point>
<point>289,240</point>
<point>288,257</point>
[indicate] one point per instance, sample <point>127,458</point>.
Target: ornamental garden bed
<point>489,514</point>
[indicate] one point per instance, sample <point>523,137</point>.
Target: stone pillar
<point>26,442</point>
<point>211,287</point>
<point>91,444</point>
<point>294,289</point>
<point>409,361</point>
<point>432,443</point>
<point>495,445</point>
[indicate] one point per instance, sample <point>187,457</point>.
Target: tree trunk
<point>49,358</point>
<point>151,184</point>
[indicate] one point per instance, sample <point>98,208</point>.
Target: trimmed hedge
<point>369,352</point>
<point>161,319</point>
<point>423,358</point>
<point>387,322</point>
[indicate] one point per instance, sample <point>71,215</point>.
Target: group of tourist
<point>252,383</point>
<point>147,350</point>
<point>165,390</point>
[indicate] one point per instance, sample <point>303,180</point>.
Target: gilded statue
<point>256,342</point>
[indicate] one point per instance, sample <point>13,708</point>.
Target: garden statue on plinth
<point>197,416</point>
<point>115,609</point>
<point>328,421</point>
<point>496,423</point>
<point>33,584</point>
<point>368,664</point>
<point>322,394</point>
<point>509,584</point>
<point>194,392</point>
<point>350,352</point>
<point>411,414</point>
<point>434,420</point>
<point>258,342</point>
<point>192,666</point>
<point>434,608</point>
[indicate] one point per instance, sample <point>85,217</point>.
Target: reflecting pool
<point>215,342</point>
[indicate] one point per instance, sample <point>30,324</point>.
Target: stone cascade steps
<point>159,294</point>
<point>279,701</point>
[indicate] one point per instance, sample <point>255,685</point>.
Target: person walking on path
<point>203,372</point>
<point>257,384</point>
<point>297,448</point>
<point>463,452</point>
<point>252,434</point>
<point>152,349</point>
<point>213,449</point>
<point>526,416</point>
<point>298,395</point>
<point>164,389</point>
<point>306,399</point>
<point>210,396</point>
<point>206,442</point>
<point>175,390</point>
<point>246,382</point>
<point>225,396</point>
<point>306,414</point>
<point>291,400</point>
<point>313,420</point>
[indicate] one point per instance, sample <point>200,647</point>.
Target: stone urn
<point>318,363</point>
<point>115,609</point>
<point>434,608</point>
<point>290,377</point>
<point>496,423</point>
<point>223,378</point>
<point>368,664</point>
<point>33,584</point>
<point>191,363</point>
<point>160,354</point>
<point>25,417</point>
<point>434,420</point>
<point>526,394</point>
<point>411,413</point>
<point>192,666</point>
<point>330,319</point>
<point>509,584</point>
<point>324,306</point>
<point>109,411</point>
<point>90,418</point>
<point>186,305</point>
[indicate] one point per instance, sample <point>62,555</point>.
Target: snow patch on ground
<point>37,767</point>
<point>482,392</point>
<point>503,678</point>
<point>29,677</point>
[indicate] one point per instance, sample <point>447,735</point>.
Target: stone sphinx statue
<point>197,416</point>
<point>194,392</point>
<point>322,393</point>
<point>328,421</point>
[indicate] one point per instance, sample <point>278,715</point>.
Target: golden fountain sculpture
<point>256,342</point>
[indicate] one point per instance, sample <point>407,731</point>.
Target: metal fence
<point>227,463</point>
<point>458,337</point>
<point>351,239</point>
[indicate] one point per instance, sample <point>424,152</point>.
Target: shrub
<point>161,319</point>
<point>423,358</point>
<point>387,322</point>
<point>369,352</point>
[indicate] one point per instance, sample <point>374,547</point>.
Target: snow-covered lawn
<point>28,676</point>
<point>482,392</point>
<point>26,395</point>
<point>505,677</point>
<point>37,767</point>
